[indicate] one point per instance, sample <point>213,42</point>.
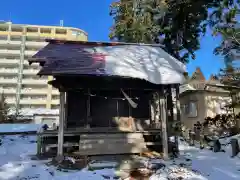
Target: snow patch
<point>193,164</point>
<point>19,127</point>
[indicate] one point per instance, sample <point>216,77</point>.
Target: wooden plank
<point>106,130</point>
<point>112,144</point>
<point>74,133</point>
<point>112,149</point>
<point>48,146</point>
<point>99,144</point>
<point>109,136</point>
<point>64,145</point>
<point>99,83</point>
<point>77,144</point>
<point>92,144</point>
<point>109,141</point>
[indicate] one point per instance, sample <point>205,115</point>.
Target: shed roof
<point>143,61</point>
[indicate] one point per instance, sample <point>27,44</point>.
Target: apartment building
<point>18,80</point>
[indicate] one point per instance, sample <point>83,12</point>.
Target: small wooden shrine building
<point>115,97</point>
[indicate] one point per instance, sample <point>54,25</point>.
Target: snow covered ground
<point>19,127</point>
<point>193,164</point>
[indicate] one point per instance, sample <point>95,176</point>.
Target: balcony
<point>8,71</point>
<point>46,35</point>
<point>12,33</point>
<point>36,44</point>
<point>30,71</point>
<point>8,81</point>
<point>4,32</point>
<point>55,101</point>
<point>34,81</point>
<point>11,100</point>
<point>61,36</point>
<point>9,62</point>
<point>32,34</point>
<point>8,90</point>
<point>55,92</point>
<point>26,63</point>
<point>7,43</point>
<point>30,91</point>
<point>33,101</point>
<point>30,53</point>
<point>8,52</point>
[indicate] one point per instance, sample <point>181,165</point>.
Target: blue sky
<point>93,17</point>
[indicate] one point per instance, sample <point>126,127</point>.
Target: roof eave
<point>98,43</point>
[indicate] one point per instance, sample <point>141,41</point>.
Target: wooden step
<point>96,144</point>
<point>111,136</point>
<point>102,143</point>
<point>64,145</point>
<point>112,149</point>
<point>110,141</point>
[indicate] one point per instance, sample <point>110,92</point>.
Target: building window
<point>76,33</point>
<point>16,38</point>
<point>4,28</point>
<point>45,30</point>
<point>32,29</point>
<point>190,109</point>
<point>3,37</point>
<point>17,29</point>
<point>61,31</point>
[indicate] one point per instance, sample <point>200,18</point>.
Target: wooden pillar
<point>65,109</point>
<point>151,112</point>
<point>88,119</point>
<point>178,119</point>
<point>156,107</point>
<point>61,124</point>
<point>163,118</point>
<point>129,106</point>
<point>170,113</point>
<point>178,103</point>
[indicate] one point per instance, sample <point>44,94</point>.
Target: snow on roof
<point>146,62</point>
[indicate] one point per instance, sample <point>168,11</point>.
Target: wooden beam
<point>164,119</point>
<point>61,124</point>
<point>107,83</point>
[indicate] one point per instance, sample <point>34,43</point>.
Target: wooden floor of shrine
<point>101,141</point>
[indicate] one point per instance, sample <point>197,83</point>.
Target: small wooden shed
<point>116,98</point>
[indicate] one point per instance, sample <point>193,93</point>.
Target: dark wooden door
<point>76,109</point>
